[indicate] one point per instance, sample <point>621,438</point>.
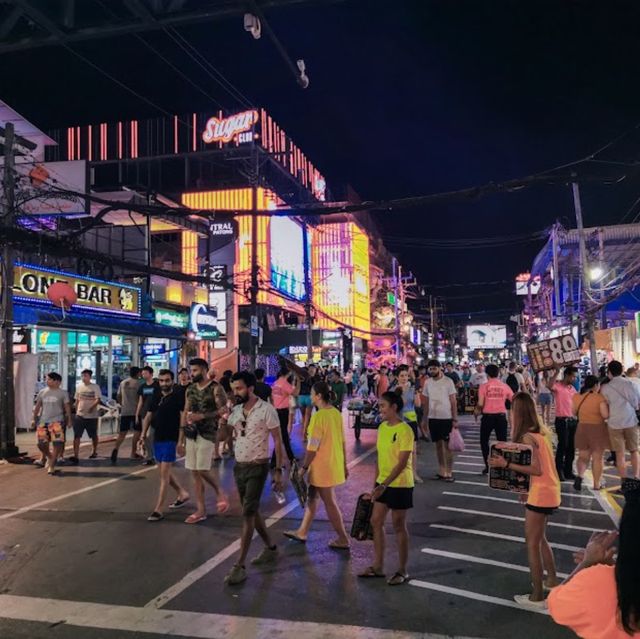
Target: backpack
<point>512,382</point>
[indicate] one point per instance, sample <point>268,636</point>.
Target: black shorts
<point>540,509</point>
<point>128,422</point>
<point>440,429</point>
<point>80,424</point>
<point>397,498</point>
<point>414,427</point>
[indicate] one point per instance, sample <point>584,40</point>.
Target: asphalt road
<point>78,559</point>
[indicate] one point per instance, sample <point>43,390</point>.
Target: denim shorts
<point>304,401</point>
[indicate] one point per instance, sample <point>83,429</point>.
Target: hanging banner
<point>553,353</point>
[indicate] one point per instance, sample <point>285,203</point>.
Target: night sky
<point>406,98</point>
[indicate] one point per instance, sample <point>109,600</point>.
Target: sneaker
<point>236,576</point>
<point>267,556</point>
<point>74,460</point>
<point>525,602</point>
<point>577,484</point>
<point>155,516</point>
<point>39,463</point>
<point>114,456</point>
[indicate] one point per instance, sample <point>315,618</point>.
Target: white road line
<point>467,472</point>
<point>492,535</point>
<point>486,485</point>
<point>468,456</point>
<point>481,560</point>
<point>605,504</point>
<point>468,464</point>
<point>515,502</point>
<point>182,623</point>
<point>468,511</point>
<point>468,594</point>
<point>73,493</point>
<point>190,578</point>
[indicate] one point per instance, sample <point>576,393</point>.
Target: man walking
<point>263,390</point>
<point>492,405</point>
<point>52,416</point>
<point>127,397</point>
<point>88,397</point>
<point>565,423</point>
<point>623,397</point>
<point>206,403</point>
<point>441,411</point>
<point>165,413</point>
<point>339,389</point>
<point>146,394</point>
<point>254,422</point>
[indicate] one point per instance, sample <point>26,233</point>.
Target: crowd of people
<point>203,419</point>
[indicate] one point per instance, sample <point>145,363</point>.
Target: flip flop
<point>371,573</point>
<point>194,519</point>
<point>291,535</point>
<point>438,477</point>
<point>398,579</point>
<point>222,505</point>
<point>178,503</point>
<point>336,546</point>
<point>449,480</point>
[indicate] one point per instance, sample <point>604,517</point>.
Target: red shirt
<point>493,396</point>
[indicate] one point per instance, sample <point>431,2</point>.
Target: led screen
<point>287,257</point>
<point>486,336</point>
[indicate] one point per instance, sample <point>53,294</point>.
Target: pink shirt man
<point>281,392</point>
<point>563,394</point>
<point>493,396</point>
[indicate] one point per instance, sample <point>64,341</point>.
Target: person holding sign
<point>566,424</point>
<point>542,500</point>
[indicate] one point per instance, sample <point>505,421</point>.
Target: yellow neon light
<point>231,200</point>
<point>190,252</point>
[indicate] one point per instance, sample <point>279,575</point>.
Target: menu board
<point>506,478</point>
<point>553,353</point>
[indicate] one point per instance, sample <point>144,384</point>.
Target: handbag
<point>456,443</point>
<point>191,431</point>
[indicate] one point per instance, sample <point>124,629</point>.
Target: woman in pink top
<point>601,599</point>
<point>281,392</point>
<point>542,500</point>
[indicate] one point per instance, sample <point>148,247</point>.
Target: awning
<point>92,322</point>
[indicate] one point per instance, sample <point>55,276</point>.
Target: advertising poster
<point>486,336</point>
<point>505,478</point>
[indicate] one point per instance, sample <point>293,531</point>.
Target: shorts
<point>250,480</point>
<point>414,427</point>
<point>544,399</point>
<point>165,451</point>
<point>50,432</point>
<point>397,498</point>
<point>127,422</point>
<point>543,510</point>
<point>304,401</point>
<point>440,429</point>
<point>622,438</point>
<point>592,437</point>
<point>198,454</point>
<point>80,424</point>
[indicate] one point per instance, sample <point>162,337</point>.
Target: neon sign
<point>227,129</point>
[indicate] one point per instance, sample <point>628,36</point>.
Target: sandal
<point>334,545</point>
<point>398,579</point>
<point>178,503</point>
<point>194,519</point>
<point>289,534</point>
<point>222,505</point>
<point>371,573</point>
<point>438,477</point>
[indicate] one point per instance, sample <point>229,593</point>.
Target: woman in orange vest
<point>542,500</point>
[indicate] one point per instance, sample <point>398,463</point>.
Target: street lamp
<point>596,272</point>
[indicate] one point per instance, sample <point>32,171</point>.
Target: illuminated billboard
<point>486,336</point>
<point>287,257</point>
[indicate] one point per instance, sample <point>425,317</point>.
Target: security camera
<point>252,25</point>
<point>303,79</point>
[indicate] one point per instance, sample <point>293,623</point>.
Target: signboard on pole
<point>506,478</point>
<point>553,353</point>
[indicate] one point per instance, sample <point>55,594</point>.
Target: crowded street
<point>85,540</point>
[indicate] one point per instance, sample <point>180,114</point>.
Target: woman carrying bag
<point>592,436</point>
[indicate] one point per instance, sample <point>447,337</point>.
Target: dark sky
<point>406,98</point>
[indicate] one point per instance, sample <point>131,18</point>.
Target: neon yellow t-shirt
<point>393,440</point>
<point>326,437</point>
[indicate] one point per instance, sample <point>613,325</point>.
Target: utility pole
<point>432,325</point>
<point>586,285</point>
<point>307,291</point>
<point>8,447</point>
<point>253,353</point>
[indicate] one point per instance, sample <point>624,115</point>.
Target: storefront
<point>105,331</point>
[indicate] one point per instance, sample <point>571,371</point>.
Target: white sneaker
<point>39,463</point>
<point>525,602</point>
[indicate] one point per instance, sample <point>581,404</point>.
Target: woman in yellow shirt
<point>326,461</point>
<point>394,486</point>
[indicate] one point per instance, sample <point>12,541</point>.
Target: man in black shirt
<point>164,416</point>
<point>147,393</point>
<point>262,390</point>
